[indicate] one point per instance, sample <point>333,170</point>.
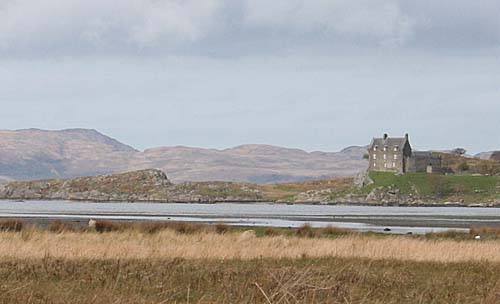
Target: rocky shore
<point>154,186</point>
<point>139,186</point>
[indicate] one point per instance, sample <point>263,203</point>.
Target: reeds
<point>134,244</point>
<point>60,227</point>
<point>11,225</point>
<point>308,231</point>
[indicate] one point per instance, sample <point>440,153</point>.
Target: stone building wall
<point>424,162</point>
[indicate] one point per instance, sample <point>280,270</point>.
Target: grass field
<point>468,187</point>
<point>184,263</point>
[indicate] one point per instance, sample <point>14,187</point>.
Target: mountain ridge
<point>29,154</point>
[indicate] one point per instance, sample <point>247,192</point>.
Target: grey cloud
<point>48,27</point>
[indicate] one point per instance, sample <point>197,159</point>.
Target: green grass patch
<point>439,186</point>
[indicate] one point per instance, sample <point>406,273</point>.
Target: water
<point>360,218</point>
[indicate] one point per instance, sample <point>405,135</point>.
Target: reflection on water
<point>361,218</point>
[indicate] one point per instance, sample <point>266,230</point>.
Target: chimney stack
<point>386,136</point>
<point>407,136</point>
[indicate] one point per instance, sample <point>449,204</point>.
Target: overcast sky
<point>310,74</point>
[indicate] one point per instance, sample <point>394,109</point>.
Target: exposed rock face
<point>388,196</point>
<point>362,179</point>
<point>38,154</point>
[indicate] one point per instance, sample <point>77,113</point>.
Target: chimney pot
<point>386,135</point>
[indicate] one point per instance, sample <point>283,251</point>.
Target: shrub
<point>11,225</point>
<point>488,232</point>
<point>221,228</point>
<point>464,167</point>
<point>186,228</point>
<point>59,227</point>
<point>332,231</point>
<point>449,234</point>
<point>306,231</point>
<point>107,226</point>
<point>269,231</point>
<point>179,227</point>
<point>151,227</point>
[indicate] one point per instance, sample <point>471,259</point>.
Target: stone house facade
<point>395,154</point>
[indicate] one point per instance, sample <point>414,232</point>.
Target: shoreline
<point>268,202</point>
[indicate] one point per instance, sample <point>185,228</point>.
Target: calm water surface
<point>361,218</point>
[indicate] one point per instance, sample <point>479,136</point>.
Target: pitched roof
<point>389,141</point>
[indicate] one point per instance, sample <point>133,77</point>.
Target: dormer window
<point>396,148</point>
<point>385,148</point>
<point>375,148</point>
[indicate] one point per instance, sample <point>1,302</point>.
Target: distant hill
<point>39,154</point>
<point>35,154</point>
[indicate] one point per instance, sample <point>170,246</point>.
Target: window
<point>385,165</point>
<point>385,156</point>
<point>394,165</point>
<point>385,148</point>
<point>374,164</point>
<point>396,148</point>
<point>374,156</point>
<point>395,156</point>
<point>375,148</point>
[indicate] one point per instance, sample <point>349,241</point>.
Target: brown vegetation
<point>11,225</point>
<point>288,190</point>
<point>163,262</point>
<point>60,227</point>
<point>303,280</point>
<point>133,244</point>
<point>458,163</point>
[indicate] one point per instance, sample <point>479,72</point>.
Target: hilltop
<point>40,154</point>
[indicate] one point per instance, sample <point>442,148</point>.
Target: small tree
<point>464,167</point>
<point>459,151</point>
<point>366,156</point>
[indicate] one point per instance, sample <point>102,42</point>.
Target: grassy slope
<point>466,187</point>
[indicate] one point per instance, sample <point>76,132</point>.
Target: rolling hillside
<point>39,154</point>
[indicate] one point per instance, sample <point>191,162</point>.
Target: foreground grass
<point>186,263</point>
<point>304,280</point>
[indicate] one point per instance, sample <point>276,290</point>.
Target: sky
<point>309,74</point>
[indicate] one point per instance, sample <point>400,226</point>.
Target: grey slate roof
<point>390,142</point>
<point>422,153</point>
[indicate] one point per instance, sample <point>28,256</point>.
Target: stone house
<point>395,154</point>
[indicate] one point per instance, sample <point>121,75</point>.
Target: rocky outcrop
<point>362,179</point>
<point>143,185</point>
<point>133,186</point>
<point>389,196</point>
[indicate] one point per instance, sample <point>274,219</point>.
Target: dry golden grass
<point>208,245</point>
